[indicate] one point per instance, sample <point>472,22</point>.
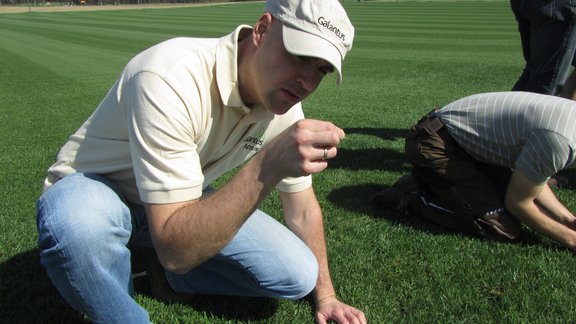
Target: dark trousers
<point>459,192</point>
<point>548,34</point>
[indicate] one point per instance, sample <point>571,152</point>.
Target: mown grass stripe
<point>407,58</point>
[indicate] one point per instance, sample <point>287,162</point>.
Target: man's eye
<point>324,70</point>
<point>305,59</point>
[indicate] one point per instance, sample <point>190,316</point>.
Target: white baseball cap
<point>316,28</point>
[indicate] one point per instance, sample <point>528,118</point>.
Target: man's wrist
<point>324,298</point>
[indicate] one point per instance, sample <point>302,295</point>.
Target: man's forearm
<point>196,231</point>
<point>313,236</point>
<point>548,201</point>
<point>308,225</point>
<point>544,224</point>
<point>529,201</point>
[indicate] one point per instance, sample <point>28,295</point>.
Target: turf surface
<point>407,58</point>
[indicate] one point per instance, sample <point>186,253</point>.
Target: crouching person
<point>138,173</point>
<point>481,166</point>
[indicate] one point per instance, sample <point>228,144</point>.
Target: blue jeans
<point>85,228</point>
<point>548,36</point>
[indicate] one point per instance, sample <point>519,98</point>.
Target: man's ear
<point>262,26</point>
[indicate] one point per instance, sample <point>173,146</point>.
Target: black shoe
<point>392,198</point>
<point>399,195</point>
<point>408,183</point>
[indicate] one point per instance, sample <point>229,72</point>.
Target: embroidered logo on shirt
<point>252,143</point>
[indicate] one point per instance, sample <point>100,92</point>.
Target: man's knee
<point>299,280</point>
<point>81,214</point>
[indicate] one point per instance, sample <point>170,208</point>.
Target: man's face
<point>281,79</point>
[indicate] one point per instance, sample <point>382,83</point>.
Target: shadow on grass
<point>357,199</point>
<point>570,175</point>
<point>28,296</point>
<point>369,159</point>
<point>229,308</point>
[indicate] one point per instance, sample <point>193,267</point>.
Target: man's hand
<point>303,148</point>
<point>331,309</point>
<point>536,205</point>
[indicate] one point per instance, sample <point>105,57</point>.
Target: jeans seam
<point>62,257</point>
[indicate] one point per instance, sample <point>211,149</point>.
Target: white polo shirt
<point>173,123</point>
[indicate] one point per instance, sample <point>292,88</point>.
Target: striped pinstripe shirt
<point>530,132</point>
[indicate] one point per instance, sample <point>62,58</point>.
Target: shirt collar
<point>227,69</point>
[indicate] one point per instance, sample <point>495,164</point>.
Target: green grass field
<point>407,58</point>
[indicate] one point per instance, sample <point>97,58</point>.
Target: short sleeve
<point>544,154</point>
<point>292,185</point>
<point>162,141</point>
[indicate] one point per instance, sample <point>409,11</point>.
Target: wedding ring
<point>325,155</point>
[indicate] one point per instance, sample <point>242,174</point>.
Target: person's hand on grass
<point>331,309</point>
